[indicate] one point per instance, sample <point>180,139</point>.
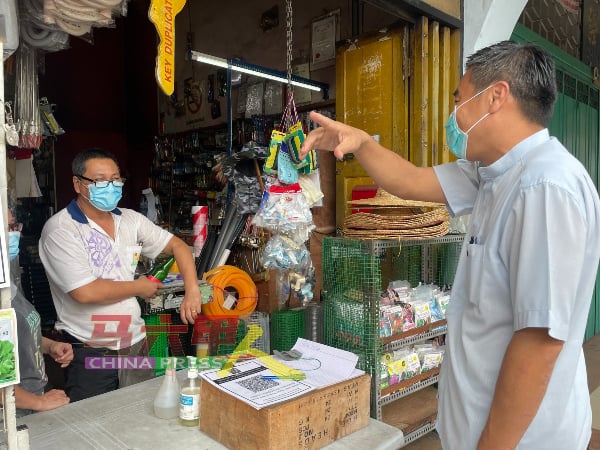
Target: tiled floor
<point>592,356</point>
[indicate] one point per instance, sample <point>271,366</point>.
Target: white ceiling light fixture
<point>208,59</point>
<point>259,71</point>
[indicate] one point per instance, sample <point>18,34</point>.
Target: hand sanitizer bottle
<point>189,400</point>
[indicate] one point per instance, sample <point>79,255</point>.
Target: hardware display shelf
<point>404,388</point>
<point>419,433</point>
<point>416,335</point>
<point>415,415</point>
<point>182,175</point>
<point>355,273</point>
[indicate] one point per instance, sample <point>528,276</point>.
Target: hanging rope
<point>288,10</point>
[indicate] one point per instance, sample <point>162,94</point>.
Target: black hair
<point>528,69</point>
<point>78,166</point>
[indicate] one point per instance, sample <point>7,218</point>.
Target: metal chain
<point>288,9</point>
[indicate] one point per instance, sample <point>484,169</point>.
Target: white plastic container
<point>166,402</point>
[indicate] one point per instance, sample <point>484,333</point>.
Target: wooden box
<point>308,422</point>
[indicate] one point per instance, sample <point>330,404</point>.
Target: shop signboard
<point>162,14</point>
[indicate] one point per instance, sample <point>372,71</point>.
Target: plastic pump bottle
<point>189,400</point>
<point>166,402</point>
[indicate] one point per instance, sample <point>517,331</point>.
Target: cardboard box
<point>308,422</point>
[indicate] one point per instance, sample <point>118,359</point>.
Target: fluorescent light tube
<point>269,76</point>
<point>209,59</point>
<point>247,68</point>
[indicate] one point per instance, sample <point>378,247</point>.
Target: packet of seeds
<point>9,355</point>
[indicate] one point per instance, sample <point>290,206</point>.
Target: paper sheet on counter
<point>252,382</point>
<point>247,383</point>
<point>324,365</point>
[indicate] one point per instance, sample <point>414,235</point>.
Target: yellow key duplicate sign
<point>162,14</point>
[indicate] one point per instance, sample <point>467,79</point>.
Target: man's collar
<point>78,215</point>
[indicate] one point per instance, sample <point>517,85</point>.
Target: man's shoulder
<point>129,212</point>
<point>60,228</point>
<point>61,218</point>
<point>553,162</point>
<point>131,215</point>
<point>555,169</point>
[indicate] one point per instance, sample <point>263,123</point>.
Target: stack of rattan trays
<point>386,216</point>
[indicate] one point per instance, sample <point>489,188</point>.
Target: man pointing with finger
<point>513,375</point>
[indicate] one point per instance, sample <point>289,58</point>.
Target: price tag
<point>229,302</point>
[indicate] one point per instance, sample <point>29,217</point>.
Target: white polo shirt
<point>76,251</point>
<point>529,260</point>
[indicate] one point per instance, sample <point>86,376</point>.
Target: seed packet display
<point>9,353</point>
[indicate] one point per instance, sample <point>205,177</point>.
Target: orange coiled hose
<point>223,279</point>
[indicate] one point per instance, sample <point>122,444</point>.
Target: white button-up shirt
<point>529,259</point>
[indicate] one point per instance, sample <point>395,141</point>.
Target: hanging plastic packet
<point>283,253</point>
<point>312,192</point>
<point>302,282</point>
<point>286,172</point>
<point>294,140</point>
<point>48,118</point>
<point>282,290</point>
<point>242,169</point>
<point>285,145</point>
<point>270,165</point>
<point>311,163</point>
<point>284,209</point>
<point>11,133</point>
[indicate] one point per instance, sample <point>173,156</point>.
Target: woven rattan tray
<point>427,232</point>
<point>370,221</point>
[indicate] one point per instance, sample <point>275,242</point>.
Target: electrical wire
<point>223,279</point>
<point>44,38</point>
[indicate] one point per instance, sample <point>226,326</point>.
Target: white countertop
<point>124,419</point>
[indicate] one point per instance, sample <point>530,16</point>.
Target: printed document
<point>269,380</point>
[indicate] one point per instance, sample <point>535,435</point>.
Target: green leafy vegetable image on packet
<point>9,373</point>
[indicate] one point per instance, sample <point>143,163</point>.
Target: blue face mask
<point>107,198</point>
<point>13,244</point>
<point>457,138</point>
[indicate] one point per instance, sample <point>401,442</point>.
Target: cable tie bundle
<point>223,279</point>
